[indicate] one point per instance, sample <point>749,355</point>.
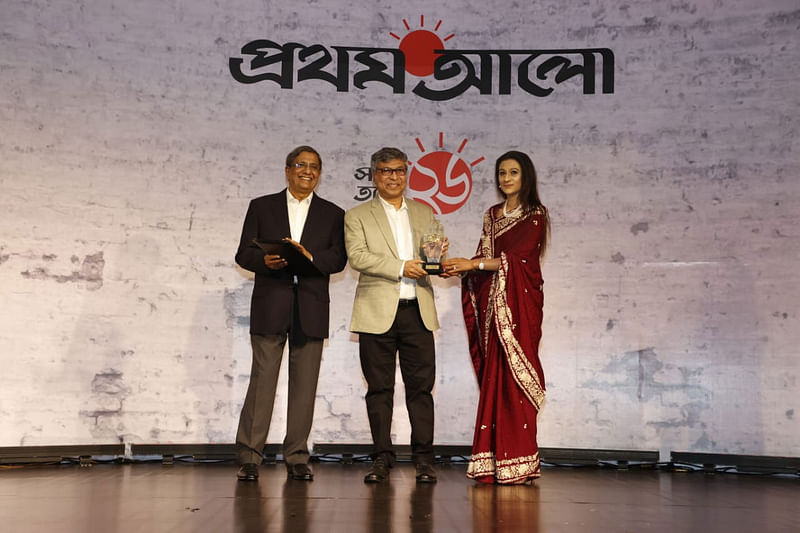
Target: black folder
<point>298,264</point>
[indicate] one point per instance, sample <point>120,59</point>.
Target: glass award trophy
<point>432,244</point>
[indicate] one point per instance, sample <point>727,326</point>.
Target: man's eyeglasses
<point>311,166</point>
<point>386,172</point>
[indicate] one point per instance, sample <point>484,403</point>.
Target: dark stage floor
<point>152,497</point>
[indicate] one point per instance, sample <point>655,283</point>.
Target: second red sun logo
<point>441,179</point>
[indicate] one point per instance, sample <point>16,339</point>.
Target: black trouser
<point>409,338</point>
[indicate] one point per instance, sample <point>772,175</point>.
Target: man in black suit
<point>288,304</point>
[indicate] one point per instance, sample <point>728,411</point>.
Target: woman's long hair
<point>529,193</point>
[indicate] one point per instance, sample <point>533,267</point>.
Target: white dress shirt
<point>298,213</point>
<point>403,239</point>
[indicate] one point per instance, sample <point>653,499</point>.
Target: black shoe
<point>248,472</point>
<point>379,471</point>
<point>300,472</point>
<point>425,473</point>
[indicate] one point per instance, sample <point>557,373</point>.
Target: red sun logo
<point>418,46</point>
<point>441,179</point>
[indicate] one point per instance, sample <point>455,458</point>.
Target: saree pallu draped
<point>503,317</point>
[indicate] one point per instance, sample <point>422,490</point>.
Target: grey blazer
<point>372,252</point>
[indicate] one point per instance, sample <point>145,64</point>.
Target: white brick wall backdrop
<point>128,155</point>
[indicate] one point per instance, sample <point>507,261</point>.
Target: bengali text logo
<point>437,73</point>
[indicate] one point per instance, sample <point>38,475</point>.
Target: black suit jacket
<point>323,236</point>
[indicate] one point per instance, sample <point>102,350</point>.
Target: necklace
<point>512,212</point>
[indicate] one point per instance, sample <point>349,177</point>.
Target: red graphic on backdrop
<point>441,179</point>
<point>418,46</point>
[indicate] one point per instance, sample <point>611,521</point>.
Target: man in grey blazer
<point>288,304</point>
<point>393,312</point>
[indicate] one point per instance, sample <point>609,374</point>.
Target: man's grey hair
<point>297,151</point>
<point>387,154</point>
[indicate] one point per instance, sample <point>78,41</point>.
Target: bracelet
<point>480,265</point>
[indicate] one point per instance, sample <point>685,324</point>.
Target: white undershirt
<point>403,239</point>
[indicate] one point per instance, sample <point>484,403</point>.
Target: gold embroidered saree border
<point>521,368</point>
<point>506,470</point>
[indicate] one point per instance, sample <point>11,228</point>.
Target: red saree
<point>503,316</point>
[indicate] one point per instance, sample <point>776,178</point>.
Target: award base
<point>433,268</point>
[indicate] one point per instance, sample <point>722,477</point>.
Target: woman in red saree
<point>502,303</point>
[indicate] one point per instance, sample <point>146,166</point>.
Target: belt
<point>407,301</point>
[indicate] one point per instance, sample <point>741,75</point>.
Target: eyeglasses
<point>311,166</point>
<point>386,172</point>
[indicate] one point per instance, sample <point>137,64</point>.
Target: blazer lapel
<point>311,219</point>
<point>282,213</point>
<point>382,223</point>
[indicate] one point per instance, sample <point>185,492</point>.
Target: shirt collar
<point>387,205</point>
<point>292,200</point>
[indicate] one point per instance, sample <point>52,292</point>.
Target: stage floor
<point>148,498</point>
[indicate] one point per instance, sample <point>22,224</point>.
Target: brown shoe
<point>248,472</point>
<point>300,472</point>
